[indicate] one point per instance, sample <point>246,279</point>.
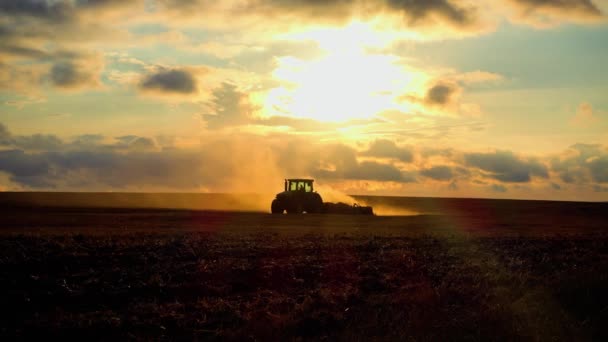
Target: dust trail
<point>330,194</point>
<point>389,210</point>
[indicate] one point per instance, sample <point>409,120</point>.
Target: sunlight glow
<point>347,82</point>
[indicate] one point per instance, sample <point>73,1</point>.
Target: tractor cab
<point>304,185</point>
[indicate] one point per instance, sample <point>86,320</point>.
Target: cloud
<point>477,76</point>
<point>175,169</point>
<point>139,163</point>
<point>48,41</point>
<point>285,15</point>
<point>72,74</point>
<point>599,168</point>
<point>49,10</point>
<point>228,107</point>
<point>46,142</point>
<point>172,81</point>
<point>417,11</point>
<point>498,188</point>
<point>36,142</point>
<point>135,162</point>
<point>21,79</point>
<point>384,148</point>
<point>599,188</point>
<point>28,169</point>
<point>584,116</point>
<point>546,13</point>
<point>441,94</point>
<point>582,163</point>
<point>5,135</point>
<point>441,173</point>
<point>62,21</point>
<point>506,167</point>
<point>343,164</point>
<point>374,171</point>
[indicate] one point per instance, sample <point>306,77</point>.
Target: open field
<point>459,270</point>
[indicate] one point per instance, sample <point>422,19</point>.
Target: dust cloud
<point>389,210</point>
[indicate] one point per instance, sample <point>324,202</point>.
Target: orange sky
<point>455,98</point>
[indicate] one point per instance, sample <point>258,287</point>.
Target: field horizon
<point>231,201</point>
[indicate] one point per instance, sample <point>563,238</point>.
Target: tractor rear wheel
<point>314,204</point>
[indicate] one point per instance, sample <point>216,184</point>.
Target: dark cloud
<point>442,173</point>
<point>96,162</point>
<point>441,94</point>
<point>506,167</point>
<point>134,143</point>
<point>50,10</point>
<point>170,81</point>
<point>384,148</point>
<point>582,163</point>
<point>599,169</point>
<point>36,142</point>
<point>42,161</point>
<point>374,171</point>
<point>344,165</point>
<point>416,11</point>
<point>67,74</point>
<point>57,10</point>
<point>46,142</point>
<point>104,168</point>
<point>36,34</point>
<point>51,143</point>
<point>572,7</point>
<point>29,169</point>
<point>58,19</point>
<point>24,51</point>
<point>5,135</point>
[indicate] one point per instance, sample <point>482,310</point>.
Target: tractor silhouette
<point>299,197</point>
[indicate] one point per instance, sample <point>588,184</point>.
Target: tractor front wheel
<point>276,207</point>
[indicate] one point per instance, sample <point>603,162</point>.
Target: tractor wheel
<point>314,205</point>
<point>276,207</point>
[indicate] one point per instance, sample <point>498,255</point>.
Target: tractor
<point>299,197</point>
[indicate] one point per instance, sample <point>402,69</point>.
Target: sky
<point>448,98</point>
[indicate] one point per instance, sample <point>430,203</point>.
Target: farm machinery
<point>299,197</point>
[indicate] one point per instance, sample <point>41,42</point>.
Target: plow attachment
<point>343,208</point>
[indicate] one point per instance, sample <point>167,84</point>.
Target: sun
<point>347,82</point>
